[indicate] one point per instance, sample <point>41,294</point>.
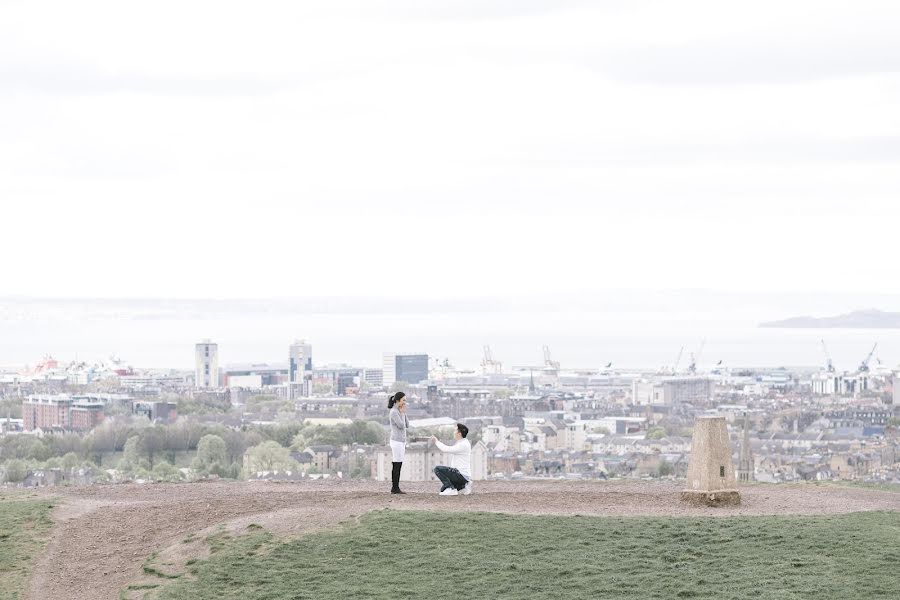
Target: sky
<point>387,148</point>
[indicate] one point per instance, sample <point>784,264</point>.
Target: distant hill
<point>860,319</point>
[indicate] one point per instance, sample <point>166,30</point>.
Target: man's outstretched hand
<point>434,440</point>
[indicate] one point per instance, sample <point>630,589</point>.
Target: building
<point>342,379</point>
<point>673,391</point>
<point>746,468</point>
<point>832,384</point>
<point>60,411</point>
<point>573,436</point>
<point>323,458</point>
<point>165,412</point>
<point>255,376</point>
<point>300,369</point>
<point>206,365</point>
<point>84,416</point>
<point>409,368</point>
<point>46,412</point>
<point>374,377</point>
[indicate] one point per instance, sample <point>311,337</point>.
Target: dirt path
<point>103,534</point>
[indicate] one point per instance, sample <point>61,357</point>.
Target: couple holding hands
<point>455,477</point>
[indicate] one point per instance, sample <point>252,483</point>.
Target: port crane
<point>692,367</point>
<point>677,361</point>
<point>488,364</point>
<point>829,365</point>
<point>549,363</point>
<point>864,365</point>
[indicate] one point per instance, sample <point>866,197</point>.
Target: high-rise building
<point>300,369</point>
<point>206,365</point>
<point>411,368</point>
<point>745,464</point>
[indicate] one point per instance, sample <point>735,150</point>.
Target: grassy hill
<point>417,554</point>
<point>24,526</point>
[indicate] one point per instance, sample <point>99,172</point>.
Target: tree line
<point>154,451</point>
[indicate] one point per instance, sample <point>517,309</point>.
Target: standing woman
<point>399,424</point>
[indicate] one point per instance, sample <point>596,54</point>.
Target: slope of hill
<point>107,538</point>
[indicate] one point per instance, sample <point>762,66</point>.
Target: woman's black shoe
<point>397,491</point>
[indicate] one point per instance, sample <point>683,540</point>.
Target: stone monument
<point>710,476</point>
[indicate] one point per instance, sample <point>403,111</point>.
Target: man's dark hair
<point>463,430</point>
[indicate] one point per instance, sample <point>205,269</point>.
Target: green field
<point>394,554</point>
<point>24,525</point>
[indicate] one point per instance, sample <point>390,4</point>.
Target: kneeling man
<point>457,476</point>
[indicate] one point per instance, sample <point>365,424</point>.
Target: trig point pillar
<point>710,476</point>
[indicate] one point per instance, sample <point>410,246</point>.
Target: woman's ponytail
<point>395,398</point>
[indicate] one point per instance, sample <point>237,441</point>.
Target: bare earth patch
<point>104,534</point>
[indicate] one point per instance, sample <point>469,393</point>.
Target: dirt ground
<point>103,534</point>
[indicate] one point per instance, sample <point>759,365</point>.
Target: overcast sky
<point>219,149</point>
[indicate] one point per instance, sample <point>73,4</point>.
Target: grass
<point>881,487</point>
<point>394,554</point>
<point>24,527</point>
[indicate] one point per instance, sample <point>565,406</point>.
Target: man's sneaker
<point>449,492</point>
<point>468,489</point>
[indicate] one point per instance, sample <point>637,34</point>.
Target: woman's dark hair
<point>395,399</point>
<point>463,430</point>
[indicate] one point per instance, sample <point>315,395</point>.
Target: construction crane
<point>549,363</point>
<point>677,361</point>
<point>864,365</point>
<point>829,365</point>
<point>692,367</point>
<point>488,364</point>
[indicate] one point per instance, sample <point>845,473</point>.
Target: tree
<point>665,469</point>
<point>271,456</point>
<point>153,442</point>
<point>133,457</point>
<point>364,432</point>
<point>657,433</point>
<point>70,461</point>
<point>212,455</point>
<point>164,471</point>
<point>15,470</point>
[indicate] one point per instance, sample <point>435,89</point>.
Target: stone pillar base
<point>716,498</point>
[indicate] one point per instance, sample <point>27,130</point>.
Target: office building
<point>300,369</point>
<point>206,365</point>
<point>374,377</point>
<point>409,368</point>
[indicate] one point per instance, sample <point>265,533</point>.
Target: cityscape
<point>537,421</point>
<point>426,299</point>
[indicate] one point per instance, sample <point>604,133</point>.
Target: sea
<point>629,329</point>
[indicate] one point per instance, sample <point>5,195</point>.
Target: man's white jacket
<point>460,455</point>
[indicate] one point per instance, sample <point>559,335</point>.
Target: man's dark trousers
<point>450,478</point>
